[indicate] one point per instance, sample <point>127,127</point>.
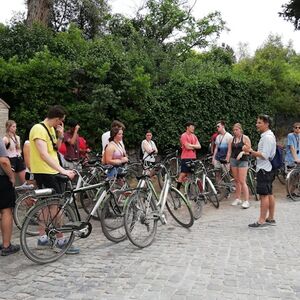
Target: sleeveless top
<point>119,152</point>
<point>237,148</point>
<point>12,149</point>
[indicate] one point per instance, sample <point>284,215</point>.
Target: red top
<point>191,139</point>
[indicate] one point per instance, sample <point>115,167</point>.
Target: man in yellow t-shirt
<point>44,161</point>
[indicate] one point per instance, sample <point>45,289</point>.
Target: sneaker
<point>11,249</point>
<point>71,250</point>
<point>42,244</point>
<point>257,225</point>
<point>271,222</point>
<point>236,202</point>
<point>246,204</point>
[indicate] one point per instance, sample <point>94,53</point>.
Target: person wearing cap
<point>189,144</point>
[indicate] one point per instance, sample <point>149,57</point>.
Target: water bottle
<point>43,192</point>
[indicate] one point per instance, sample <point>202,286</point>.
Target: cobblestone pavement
<point>218,258</point>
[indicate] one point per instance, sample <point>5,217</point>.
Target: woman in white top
<point>13,145</point>
<point>148,146</point>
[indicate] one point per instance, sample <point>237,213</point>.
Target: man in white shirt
<point>148,146</point>
<point>265,176</point>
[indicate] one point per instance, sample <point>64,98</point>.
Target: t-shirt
<point>222,142</point>
<point>293,139</point>
<point>105,139</point>
<point>191,139</point>
<point>3,153</point>
<point>72,151</point>
<point>38,165</point>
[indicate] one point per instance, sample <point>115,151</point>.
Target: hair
<point>56,111</point>
<point>114,131</point>
<point>296,124</point>
<point>238,125</point>
<point>222,122</point>
<point>149,131</point>
<point>72,123</point>
<point>117,123</point>
<point>265,119</point>
<point>189,123</point>
<point>8,124</point>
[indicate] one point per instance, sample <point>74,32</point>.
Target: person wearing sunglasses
<point>293,147</point>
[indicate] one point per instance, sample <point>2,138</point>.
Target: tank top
<point>12,149</point>
<point>237,148</point>
<point>119,152</point>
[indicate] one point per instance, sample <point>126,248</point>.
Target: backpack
<point>277,162</point>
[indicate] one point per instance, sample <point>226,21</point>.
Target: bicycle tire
<point>281,175</point>
<point>46,212</point>
<point>179,208</point>
<point>195,197</point>
<point>87,198</point>
<point>252,184</point>
<point>140,218</point>
<point>23,204</point>
<point>210,194</point>
<point>293,184</point>
<point>111,215</point>
<point>221,188</point>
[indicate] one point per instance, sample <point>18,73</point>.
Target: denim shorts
<point>238,163</point>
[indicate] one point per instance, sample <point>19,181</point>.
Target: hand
<point>71,174</point>
<point>124,160</point>
<point>247,148</point>
<point>240,155</point>
<point>60,130</point>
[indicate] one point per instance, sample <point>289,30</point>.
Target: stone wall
<point>4,113</point>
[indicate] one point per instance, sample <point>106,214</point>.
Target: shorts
<point>238,163</point>
<point>264,182</point>
<point>17,163</point>
<point>49,181</point>
<point>183,166</point>
<point>7,192</point>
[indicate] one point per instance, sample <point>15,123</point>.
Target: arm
<point>60,135</point>
<point>26,153</point>
<point>72,140</point>
<point>294,154</point>
<point>5,140</point>
<point>41,146</point>
<point>229,150</point>
<point>146,147</point>
<point>6,166</point>
<point>193,146</point>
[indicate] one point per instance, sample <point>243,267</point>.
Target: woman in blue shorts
<point>239,165</point>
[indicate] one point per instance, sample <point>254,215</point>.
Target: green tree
<point>291,13</point>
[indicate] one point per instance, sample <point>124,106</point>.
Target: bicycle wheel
<point>23,204</point>
<point>293,184</point>
<point>87,197</point>
<point>195,197</point>
<point>179,208</point>
<point>220,186</point>
<point>251,182</point>
<point>47,218</point>
<point>210,194</point>
<point>140,218</point>
<point>112,218</point>
<point>281,175</point>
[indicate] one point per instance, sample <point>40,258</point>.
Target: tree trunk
<point>38,11</point>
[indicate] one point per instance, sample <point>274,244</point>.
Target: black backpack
<point>277,162</point>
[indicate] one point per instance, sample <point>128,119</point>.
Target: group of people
<point>41,158</point>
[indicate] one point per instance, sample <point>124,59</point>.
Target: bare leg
<point>264,207</point>
<point>6,226</point>
<point>235,173</point>
<point>242,174</point>
<point>271,207</point>
<point>21,176</point>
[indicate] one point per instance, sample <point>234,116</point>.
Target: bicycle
<point>251,179</point>
<point>293,183</point>
<point>57,216</point>
<point>199,188</point>
<point>144,208</point>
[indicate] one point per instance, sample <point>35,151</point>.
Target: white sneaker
<point>246,204</point>
<point>236,202</point>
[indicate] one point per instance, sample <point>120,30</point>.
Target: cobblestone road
<point>218,258</point>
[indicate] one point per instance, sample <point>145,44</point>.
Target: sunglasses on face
<point>297,127</point>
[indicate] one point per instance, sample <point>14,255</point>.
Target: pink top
<point>191,139</point>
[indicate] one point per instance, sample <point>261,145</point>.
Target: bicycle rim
<point>112,218</point>
<point>47,218</point>
<point>179,208</point>
<point>140,219</point>
<point>22,206</point>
